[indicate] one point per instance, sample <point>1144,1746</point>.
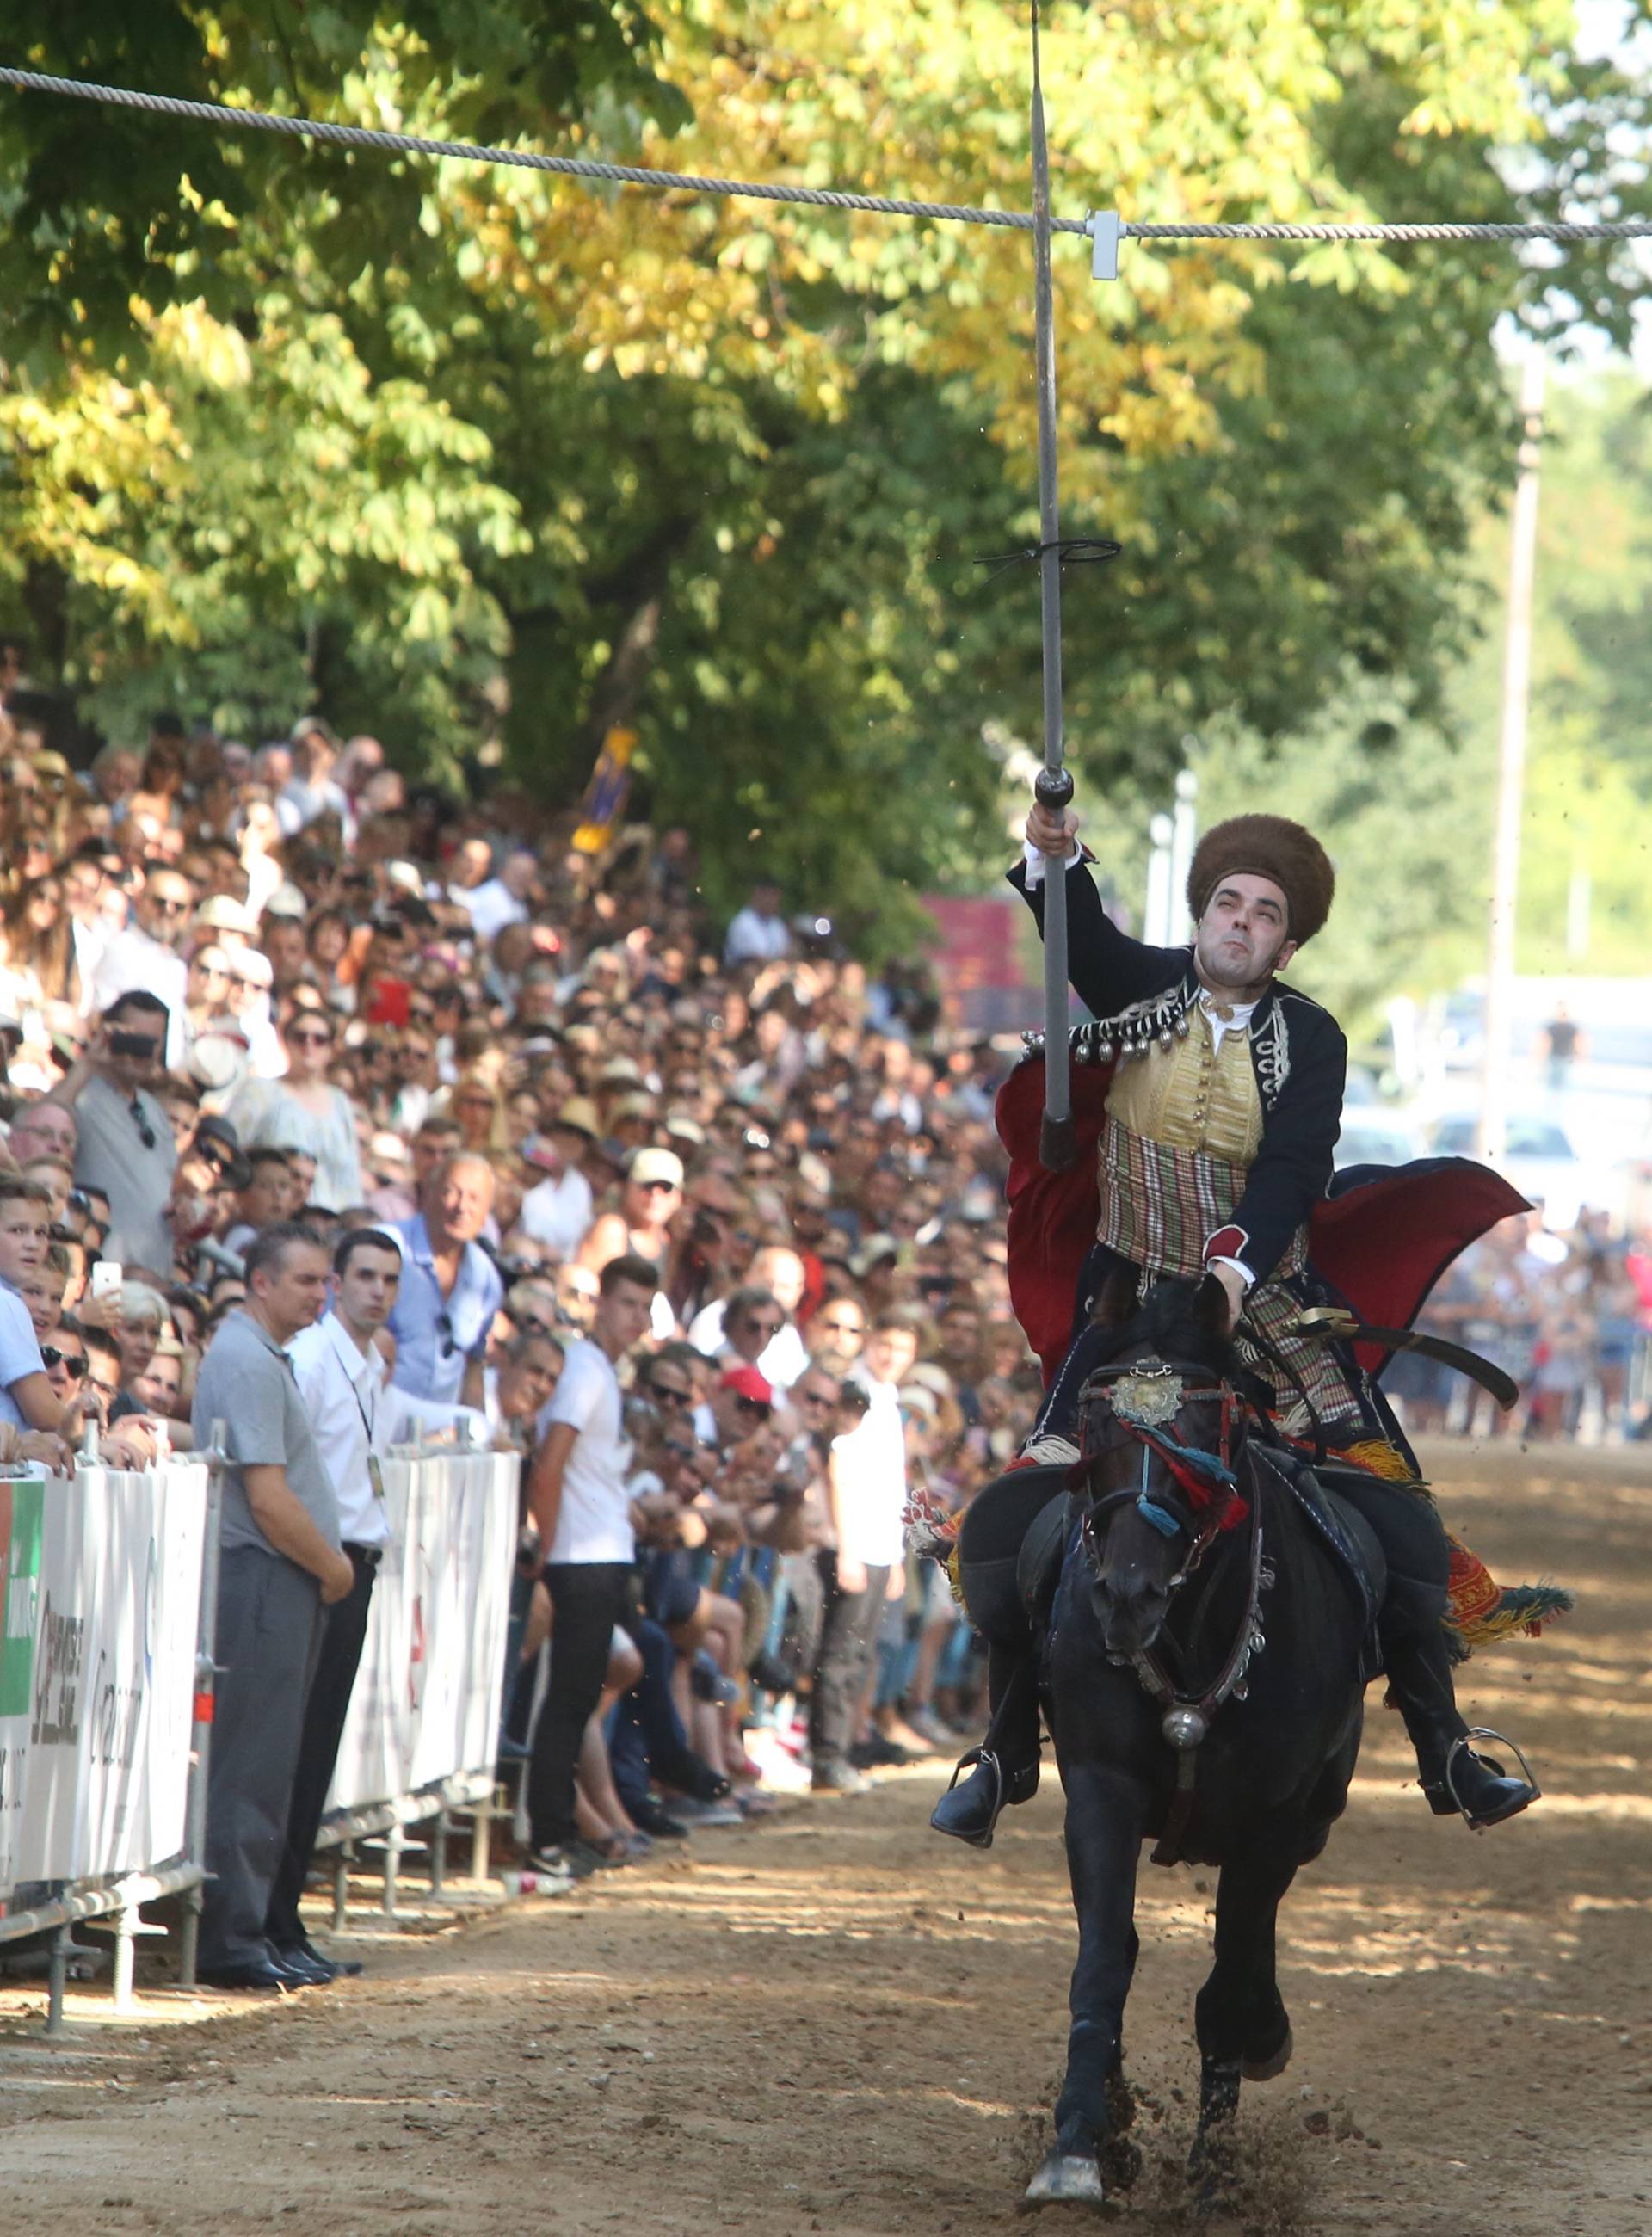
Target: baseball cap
<point>286,900</point>
<point>872,1253</point>
<point>682,1128</point>
<point>633,1106</point>
<point>620,1070</point>
<point>217,1139</point>
<point>652,1164</point>
<point>746,1382</point>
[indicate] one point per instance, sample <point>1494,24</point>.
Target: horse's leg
<point>1103,1842</point>
<point>1242,2025</point>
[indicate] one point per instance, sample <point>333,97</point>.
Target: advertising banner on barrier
<point>427,1700</point>
<point>100,1597</point>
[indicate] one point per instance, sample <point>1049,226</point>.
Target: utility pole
<point>1512,771</point>
<point>1185,835</point>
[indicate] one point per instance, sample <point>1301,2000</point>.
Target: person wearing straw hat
<point>558,1208</point>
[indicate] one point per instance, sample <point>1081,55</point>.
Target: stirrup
<point>1483,1732</point>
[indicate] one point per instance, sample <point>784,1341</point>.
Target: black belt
<point>369,1556</point>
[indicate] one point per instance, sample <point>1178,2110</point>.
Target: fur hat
<point>1267,847</point>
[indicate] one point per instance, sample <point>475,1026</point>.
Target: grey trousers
<point>848,1626</point>
<point>269,1628</point>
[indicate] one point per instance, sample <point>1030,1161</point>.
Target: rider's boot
<point>1454,1778</point>
<point>1004,1768</point>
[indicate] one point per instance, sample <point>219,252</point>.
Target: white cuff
<point>1036,861</point>
<point>1240,1268</point>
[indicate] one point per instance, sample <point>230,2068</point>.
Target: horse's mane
<point>1177,1320</point>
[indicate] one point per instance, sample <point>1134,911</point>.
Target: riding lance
<point>1053,788</point>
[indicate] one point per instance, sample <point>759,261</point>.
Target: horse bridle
<point>1146,1414</point>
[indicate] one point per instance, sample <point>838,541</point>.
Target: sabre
<point>1053,788</point>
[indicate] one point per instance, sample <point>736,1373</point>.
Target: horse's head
<point>1159,1430</point>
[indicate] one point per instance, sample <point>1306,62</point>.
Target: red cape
<point>1381,1241</point>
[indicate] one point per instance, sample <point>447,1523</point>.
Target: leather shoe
<point>650,1817</point>
<point>300,1969</point>
<point>262,1980</point>
<point>969,1810</point>
<point>1481,1790</point>
<point>295,1957</point>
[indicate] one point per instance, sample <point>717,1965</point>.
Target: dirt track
<point>843,2023</point>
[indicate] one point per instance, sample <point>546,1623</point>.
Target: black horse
<point>1203,1685</point>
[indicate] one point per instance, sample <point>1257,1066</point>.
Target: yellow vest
<point>1192,1096</point>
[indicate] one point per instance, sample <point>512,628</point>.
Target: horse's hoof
<point>1265,2069</point>
<point>1066,2179</point>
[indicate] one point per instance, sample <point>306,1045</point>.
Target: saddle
<point>1340,1527</point>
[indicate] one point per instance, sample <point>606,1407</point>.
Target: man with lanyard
<point>340,1376</point>
<point>450,1289</point>
<point>1221,1120</point>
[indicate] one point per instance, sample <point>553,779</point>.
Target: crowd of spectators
<point>254,1003</point>
<point>703,1218</point>
<point>1567,1315</point>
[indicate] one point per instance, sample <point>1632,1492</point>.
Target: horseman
<point>1215,1091</point>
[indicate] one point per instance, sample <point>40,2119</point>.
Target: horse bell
<point>1183,1727</point>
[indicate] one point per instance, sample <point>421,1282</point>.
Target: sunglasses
<point>815,1398</point>
<point>444,1329</point>
<point>169,907</point>
<point>764,1326</point>
<point>309,1040</point>
<point>658,1188</point>
<point>759,1406</point>
<point>666,1396</point>
<point>146,1132</point>
<point>845,1327</point>
<point>74,1363</point>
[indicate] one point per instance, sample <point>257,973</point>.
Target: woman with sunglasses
<point>306,1111</point>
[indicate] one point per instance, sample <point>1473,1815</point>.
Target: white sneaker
<point>782,1773</point>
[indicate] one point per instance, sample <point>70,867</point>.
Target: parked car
<point>1538,1158</point>
<point>1377,1137</point>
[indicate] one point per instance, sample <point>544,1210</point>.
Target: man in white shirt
<point>758,933</point>
<point>342,1380</point>
<point>503,900</point>
<point>577,1490</point>
<point>755,1323</point>
<point>558,1210</point>
<point>312,791</point>
<point>147,956</point>
<point>866,1498</point>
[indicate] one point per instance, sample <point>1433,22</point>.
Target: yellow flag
<point>606,795</point>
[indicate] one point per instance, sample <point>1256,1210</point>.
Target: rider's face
<point>1244,933</point>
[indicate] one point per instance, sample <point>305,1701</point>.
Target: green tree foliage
<point>419,442</point>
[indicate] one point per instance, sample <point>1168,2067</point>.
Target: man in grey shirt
<point>125,1145</point>
<point>282,1565</point>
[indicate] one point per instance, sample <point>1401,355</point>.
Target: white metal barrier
<point>423,1730</point>
<point>108,1612</point>
<point>108,1588</point>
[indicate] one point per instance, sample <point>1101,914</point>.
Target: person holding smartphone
<point>125,1147</point>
